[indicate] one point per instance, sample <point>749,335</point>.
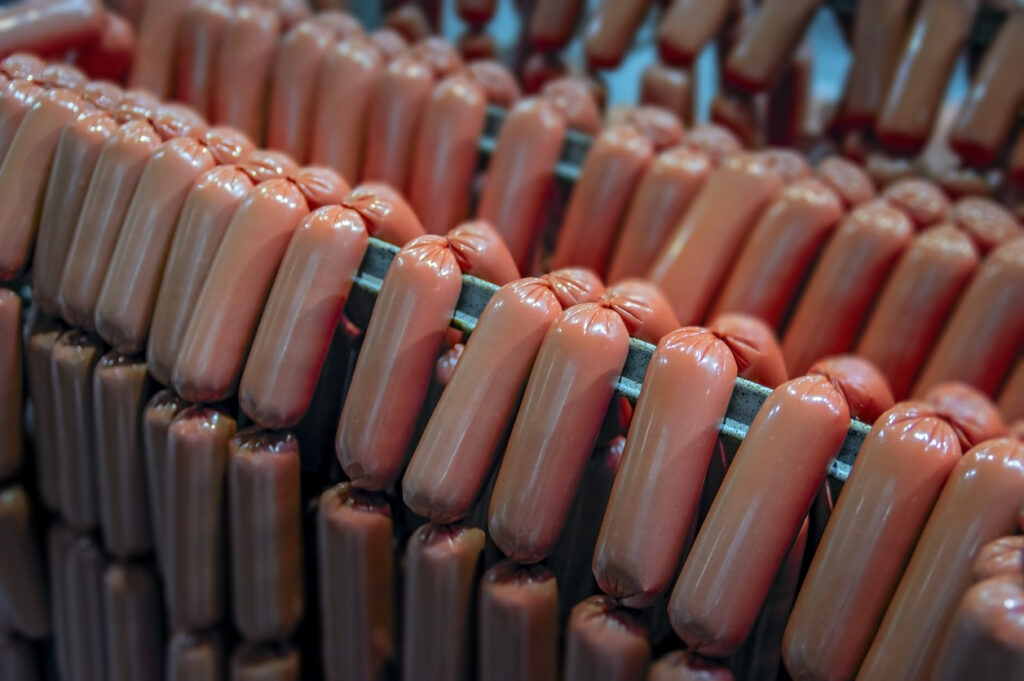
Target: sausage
<point>266,534</point>
<point>863,386</point>
<point>896,479</point>
<point>442,565</point>
<point>294,78</point>
<point>669,87</point>
<point>568,393</point>
<point>979,503</point>
<point>62,76</point>
<point>659,125</point>
<point>83,586</point>
<point>390,42</point>
<point>849,180</point>
<point>914,303</point>
<point>518,624</point>
<point>716,598</point>
<point>785,119</point>
<point>754,346</point>
<point>605,642</point>
<point>131,609</point>
<point>473,45</point>
<point>1011,399</point>
<point>986,221</point>
<point>499,84</point>
<point>398,97</point>
<point>192,503</point>
<point>75,354</point>
<point>38,369</point>
<point>450,465</point>
<point>17,659</point>
<point>120,392</point>
<point>476,12</point>
<point>672,435</point>
<point>520,173</point>
<point>717,142</point>
<point>16,99</point>
<point>852,269</point>
<point>341,108</point>
<point>11,436</point>
<point>300,316</point>
<point>125,304</point>
<point>613,168</point>
<point>973,416</point>
<point>74,160</point>
<point>24,173</point>
<point>112,54</point>
<point>983,336</point>
<point>194,657</point>
<point>386,214</point>
<point>767,43</point>
<point>354,536</point>
<point>1003,556</point>
<point>242,71</point>
<point>738,113</point>
<point>552,23</point>
<point>445,155</point>
<point>205,216</point>
<point>610,31</point>
<point>22,582</point>
<point>573,99</point>
<point>643,308</point>
<point>51,27</point>
<point>697,257</point>
<point>410,20</point>
<point>933,44</point>
<point>985,119</point>
<point>541,68</point>
<point>682,665</point>
<point>224,319</point>
<point>22,65</point>
<point>687,26</point>
<point>780,250</point>
<point>439,55</point>
<point>985,639</point>
<point>114,179</point>
<point>156,419</point>
<point>270,663</point>
<point>668,186</point>
<point>58,543</point>
<point>922,200</point>
<point>158,28</point>
<point>200,30</point>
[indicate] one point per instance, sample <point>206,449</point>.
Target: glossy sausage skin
<point>767,42</point>
<point>848,179</point>
<point>755,347</point>
<point>265,663</point>
<point>518,624</point>
<point>697,258</point>
<point>357,587</point>
<point>11,436</point>
<point>922,200</point>
<point>849,274</point>
<point>51,27</point>
<point>242,72</point>
<point>295,77</point>
<point>265,519</point>
<point>193,478</point>
<point>605,642</point>
<point>885,503</point>
<point>553,22</point>
<point>22,581</point>
<point>194,657</point>
<point>916,300</point>
<point>200,29</point>
<point>863,386</point>
<point>574,99</point>
<point>988,222</point>
<point>568,393</point>
<point>982,337</point>
<point>498,82</point>
<point>520,173</point>
<point>17,97</point>
<point>131,613</point>
<point>979,503</point>
<point>669,87</point>
<point>1011,399</point>
<point>780,250</point>
<point>657,486</point>
<point>387,215</point>
<point>83,585</point>
<point>760,507</point>
<point>154,424</point>
<point>613,168</point>
<point>643,308</point>
<point>973,416</point>
<point>687,26</point>
<point>610,31</point>
<point>158,29</point>
<point>441,568</point>
<point>1000,557</point>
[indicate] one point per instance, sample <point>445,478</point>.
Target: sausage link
<point>387,215</point>
<point>58,543</point>
<point>687,26</point>
<point>194,657</point>
<point>644,309</point>
<point>767,43</point>
<point>131,609</point>
<point>979,503</point>
<point>605,642</point>
<point>973,416</point>
<point>200,31</point>
<point>717,142</point>
<point>22,581</point>
<point>265,663</point>
<point>242,70</point>
<point>610,31</point>
<point>294,77</point>
<point>574,98</point>
<point>1003,556</point>
<point>155,423</point>
<point>41,389</point>
<point>922,200</point>
<point>476,12</point>
<point>863,386</point>
<point>499,84</point>
<point>11,435</point>
<point>158,29</point>
<point>754,346</point>
<point>848,179</point>
<point>17,98</point>
<point>669,87</point>
<point>986,221</point>
<point>83,585</point>
<point>553,22</point>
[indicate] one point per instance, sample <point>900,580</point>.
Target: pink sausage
<point>439,55</point>
<point>11,415</point>
<point>863,386</point>
<point>1000,557</point>
<point>610,31</point>
<point>242,71</point>
<point>387,215</point>
<point>200,30</point>
<point>684,666</point>
<point>986,221</point>
<point>714,141</point>
<point>687,26</point>
<point>922,200</point>
<point>498,82</point>
<point>16,98</point>
<point>767,42</point>
<point>847,179</point>
<point>973,416</point>
<point>553,22</point>
<point>38,368</point>
<point>154,423</point>
<point>133,630</point>
<point>158,30</point>
<point>1011,399</point>
<point>755,347</point>
<point>572,97</point>
<point>669,87</point>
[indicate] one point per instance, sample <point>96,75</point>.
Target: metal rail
<point>747,396</point>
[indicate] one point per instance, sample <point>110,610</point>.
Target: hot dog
<point>687,26</point>
<point>586,346</point>
<point>711,617</point>
<point>574,100</point>
<point>713,140</point>
<point>387,215</point>
<point>553,22</point>
<point>666,457</point>
<point>849,274</point>
<point>11,436</point>
<point>518,624</point>
<point>476,12</point>
<point>981,340</point>
<point>498,83</point>
<point>445,155</point>
<point>986,221</point>
<point>610,173</point>
<point>970,412</point>
<point>697,258</point>
<point>266,534</point>
<point>38,370</point>
<point>440,576</point>
<point>861,569</point>
<point>194,657</point>
<point>439,55</point>
<point>213,349</point>
<point>83,585</point>
<point>915,302</point>
<point>754,346</point>
<point>294,78</point>
<point>780,250</point>
<point>300,316</point>
<point>767,42</point>
<point>979,503</point>
<point>669,87</point>
<point>390,42</point>
<point>1003,556</point>
<point>16,98</point>
<point>920,199</point>
<point>864,388</point>
<point>58,543</point>
<point>265,663</point>
<point>158,28</point>
<point>192,500</point>
<point>120,391</point>
<point>22,65</point>
<point>155,423</point>
<point>847,179</point>
<point>241,74</point>
<point>605,642</point>
<point>131,609</point>
<point>354,536</point>
<point>200,30</point>
<point>22,582</point>
<point>610,31</point>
